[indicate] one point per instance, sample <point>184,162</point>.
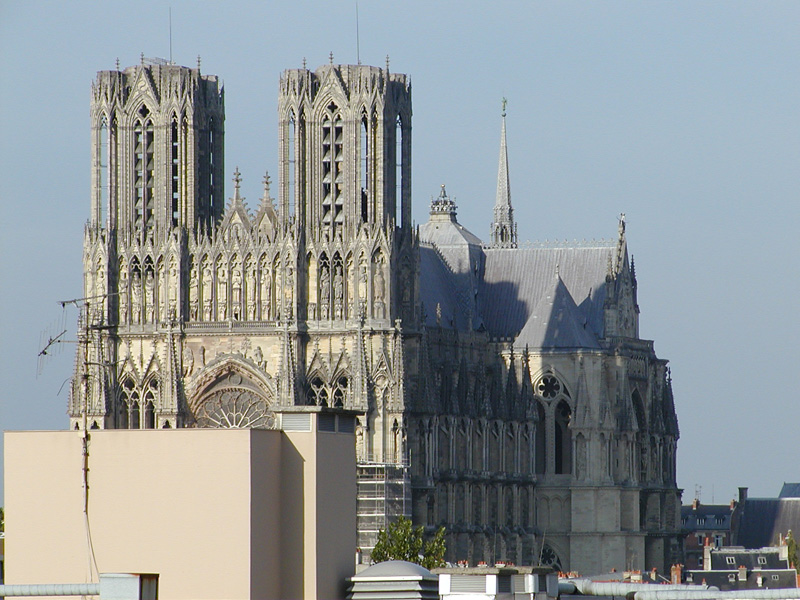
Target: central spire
<point>504,230</point>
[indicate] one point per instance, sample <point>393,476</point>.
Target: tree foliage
<point>402,541</point>
<point>791,547</point>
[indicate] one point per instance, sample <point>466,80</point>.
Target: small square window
<point>775,577</point>
<point>762,560</point>
<point>730,560</point>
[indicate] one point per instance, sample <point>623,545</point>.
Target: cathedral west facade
<point>498,389</point>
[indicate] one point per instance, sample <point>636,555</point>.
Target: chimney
<point>653,574</point>
<point>706,557</point>
<point>742,495</point>
<point>742,573</point>
<point>695,503</point>
<point>676,574</point>
<point>733,504</point>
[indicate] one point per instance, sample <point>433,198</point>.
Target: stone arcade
<point>502,390</point>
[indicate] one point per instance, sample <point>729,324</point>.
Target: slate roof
<point>516,280</point>
<point>757,558</point>
<point>439,285</point>
<point>706,517</point>
<point>790,490</point>
<point>727,580</point>
<point>556,322</point>
<point>764,519</point>
<point>547,295</point>
<point>763,562</point>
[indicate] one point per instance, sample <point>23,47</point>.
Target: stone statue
<point>193,299</point>
<point>258,356</point>
<point>136,298</point>
<point>173,287</point>
<point>100,291</point>
<point>379,292</point>
<point>150,296</point>
<point>362,278</point>
<point>288,292</point>
<point>266,292</point>
<point>338,291</point>
<point>380,284</point>
<point>236,285</point>
<point>123,294</point>
<point>188,361</point>
<point>325,291</point>
<point>222,294</point>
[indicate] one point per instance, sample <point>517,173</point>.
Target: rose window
<point>548,387</point>
<point>235,409</point>
<point>549,558</point>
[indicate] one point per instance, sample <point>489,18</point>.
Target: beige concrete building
<point>217,513</point>
<point>501,389</point>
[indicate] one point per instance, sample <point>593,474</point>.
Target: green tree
<point>791,547</point>
<point>402,541</point>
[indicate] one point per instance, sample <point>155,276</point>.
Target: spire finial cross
<point>304,63</point>
<point>237,178</point>
<point>505,102</point>
<point>330,57</point>
<point>387,63</point>
<point>118,63</point>
<point>198,62</point>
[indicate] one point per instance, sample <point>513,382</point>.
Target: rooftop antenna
<point>50,341</point>
<point>358,44</point>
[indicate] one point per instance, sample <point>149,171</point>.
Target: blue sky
<point>683,115</point>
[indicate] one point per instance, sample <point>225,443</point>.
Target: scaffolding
<point>383,495</point>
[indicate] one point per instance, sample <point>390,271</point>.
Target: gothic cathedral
<point>498,389</point>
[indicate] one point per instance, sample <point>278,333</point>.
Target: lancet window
<point>555,415</point>
<point>174,154</point>
<point>136,405</point>
<point>144,166</point>
<point>398,177</point>
<point>103,169</point>
<point>323,394</point>
<point>332,208</point>
<point>291,161</point>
